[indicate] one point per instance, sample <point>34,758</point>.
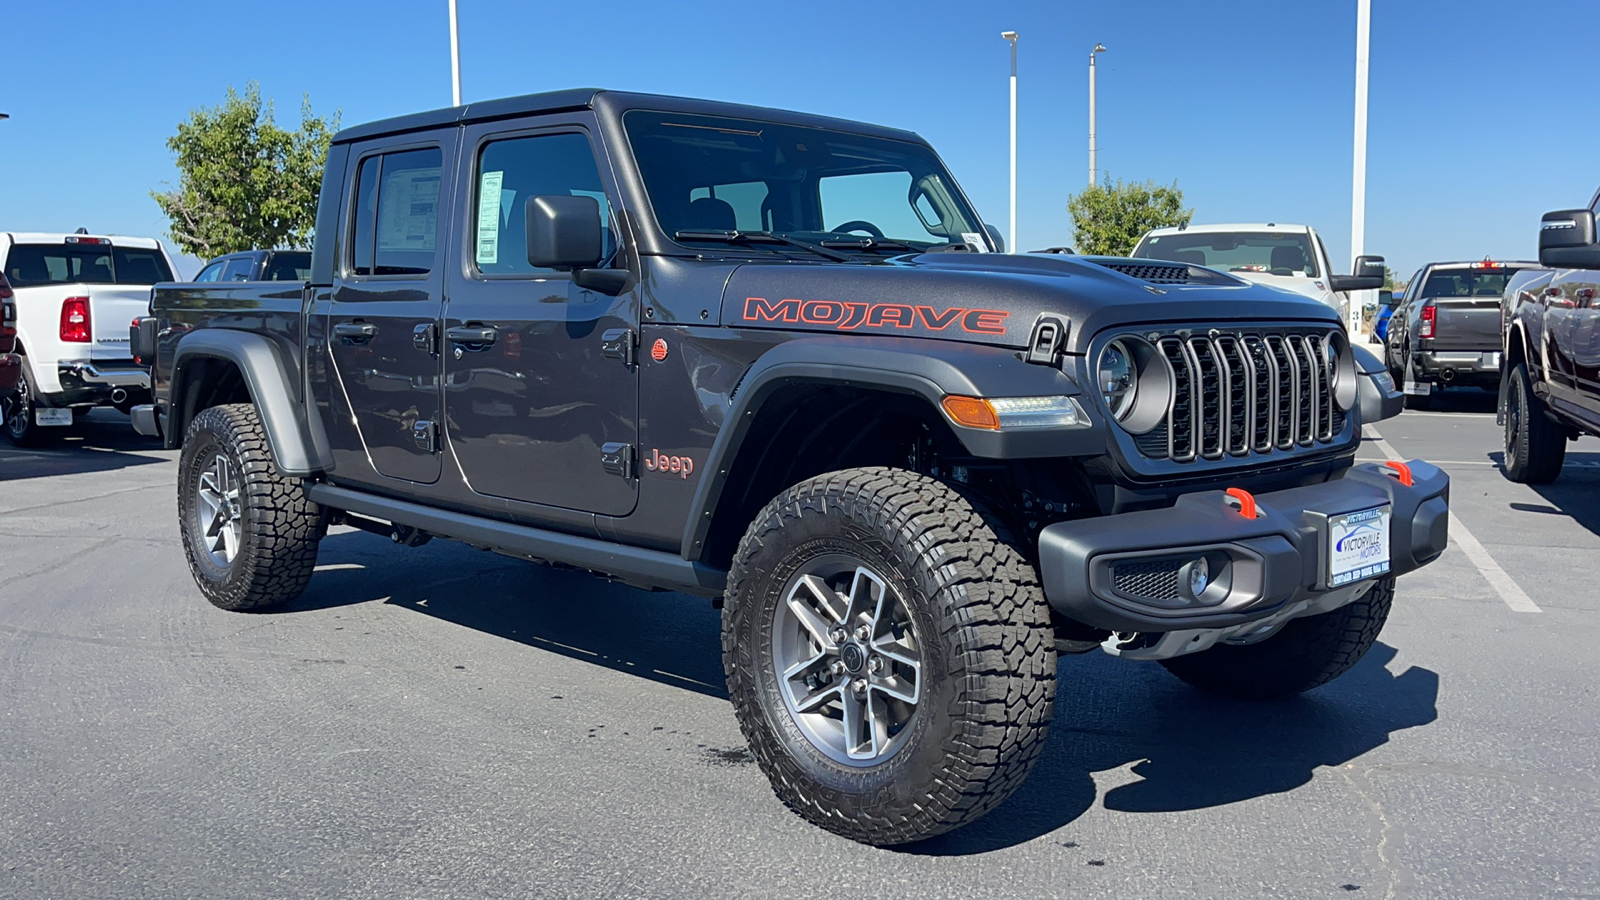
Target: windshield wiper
<point>758,237</point>
<point>868,243</point>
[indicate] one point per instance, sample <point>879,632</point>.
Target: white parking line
<point>1514,596</point>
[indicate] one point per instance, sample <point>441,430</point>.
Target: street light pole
<point>455,57</point>
<point>1011,234</point>
<point>1098,48</point>
<point>1358,187</point>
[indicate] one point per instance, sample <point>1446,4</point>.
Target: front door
<point>385,310</point>
<point>541,390</point>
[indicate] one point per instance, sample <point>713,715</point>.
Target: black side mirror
<point>1368,276</point>
<point>1566,240</point>
<point>563,232</point>
<point>1387,299</point>
<point>995,238</point>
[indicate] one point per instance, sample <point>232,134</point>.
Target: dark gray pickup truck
<point>1446,329</point>
<point>776,360</point>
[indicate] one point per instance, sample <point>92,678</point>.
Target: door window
<point>512,170</point>
<point>397,213</point>
<point>210,273</point>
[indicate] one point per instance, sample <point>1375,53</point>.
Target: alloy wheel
<point>217,512</point>
<point>848,662</point>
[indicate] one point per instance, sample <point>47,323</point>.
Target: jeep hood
<point>994,298</point>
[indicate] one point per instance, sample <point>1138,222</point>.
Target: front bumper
<point>1118,572</point>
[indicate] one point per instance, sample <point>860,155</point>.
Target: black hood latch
<point>1049,335</point>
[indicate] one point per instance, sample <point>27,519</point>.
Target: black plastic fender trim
<point>634,565</point>
<point>929,369</point>
<point>270,381</point>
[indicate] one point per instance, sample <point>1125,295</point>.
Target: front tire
<point>888,653</point>
<point>1306,653</point>
<point>250,533</point>
<point>1535,447</point>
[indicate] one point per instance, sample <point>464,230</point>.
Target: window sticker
<point>409,210</point>
<point>489,218</point>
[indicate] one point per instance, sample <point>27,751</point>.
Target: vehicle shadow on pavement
<point>95,444</point>
<point>669,638</point>
<point>1185,750</point>
<point>1464,400</point>
<point>1576,494</point>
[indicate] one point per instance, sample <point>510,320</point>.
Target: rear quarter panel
<point>274,309</point>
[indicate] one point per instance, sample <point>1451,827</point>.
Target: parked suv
<point>75,295</point>
<point>1550,392</point>
<point>767,358</point>
<point>258,265</point>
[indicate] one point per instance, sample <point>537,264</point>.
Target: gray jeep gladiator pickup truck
<point>775,360</point>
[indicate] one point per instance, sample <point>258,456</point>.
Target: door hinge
<point>617,458</point>
<point>1045,343</point>
<point>425,337</point>
<point>426,435</point>
<point>619,343</point>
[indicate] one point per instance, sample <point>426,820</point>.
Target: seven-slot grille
<point>1238,394</point>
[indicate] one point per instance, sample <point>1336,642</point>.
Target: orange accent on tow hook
<point>1402,471</point>
<point>1247,502</point>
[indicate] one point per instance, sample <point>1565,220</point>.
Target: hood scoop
<point>1162,272</point>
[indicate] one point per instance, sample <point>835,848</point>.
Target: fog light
<point>1196,576</point>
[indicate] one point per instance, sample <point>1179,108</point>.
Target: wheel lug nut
<point>859,686</point>
<point>863,633</point>
<point>875,665</point>
<point>837,668</point>
<point>838,634</point>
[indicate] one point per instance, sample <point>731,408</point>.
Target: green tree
<point>1391,281</point>
<point>243,182</point>
<point>1108,219</point>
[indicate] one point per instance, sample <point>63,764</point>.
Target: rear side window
<point>289,267</point>
<point>210,273</point>
<point>397,213</point>
<point>512,170</point>
<point>238,269</point>
<point>30,265</point>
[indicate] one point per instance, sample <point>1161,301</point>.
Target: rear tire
<point>1535,446</point>
<point>1305,654</point>
<point>20,427</point>
<point>249,531</point>
<point>967,609</point>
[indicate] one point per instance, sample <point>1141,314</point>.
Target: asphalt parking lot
<point>445,722</point>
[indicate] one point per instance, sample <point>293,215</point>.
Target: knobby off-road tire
<point>250,533</point>
<point>968,603</point>
<point>19,427</point>
<point>1306,653</point>
<point>1535,446</point>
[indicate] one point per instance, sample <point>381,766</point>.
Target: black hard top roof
<point>615,102</point>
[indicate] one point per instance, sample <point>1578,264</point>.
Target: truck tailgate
<point>1467,323</point>
<point>111,309</point>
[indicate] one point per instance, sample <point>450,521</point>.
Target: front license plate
<point>1490,360</point>
<point>1358,546</point>
<point>42,416</point>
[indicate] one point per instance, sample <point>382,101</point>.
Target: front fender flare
<point>928,369</point>
<point>298,445</point>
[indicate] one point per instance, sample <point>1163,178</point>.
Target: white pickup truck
<point>1291,257</point>
<point>75,297</point>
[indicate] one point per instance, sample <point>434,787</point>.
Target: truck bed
<point>275,309</point>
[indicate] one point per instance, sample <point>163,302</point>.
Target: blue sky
<point>1478,122</point>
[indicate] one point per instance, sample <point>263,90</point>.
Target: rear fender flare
<point>924,368</point>
<point>298,447</point>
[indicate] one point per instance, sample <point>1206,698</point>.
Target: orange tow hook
<point>1247,502</point>
<point>1402,471</point>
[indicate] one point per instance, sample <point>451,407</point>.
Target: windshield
<point>710,174</point>
<point>1467,282</point>
<point>1269,253</point>
<point>30,265</point>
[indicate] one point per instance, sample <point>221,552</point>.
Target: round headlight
<point>1118,377</point>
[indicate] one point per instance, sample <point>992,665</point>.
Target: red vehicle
<point>10,365</point>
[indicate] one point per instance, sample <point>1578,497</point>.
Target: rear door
<point>384,310</point>
<point>543,404</point>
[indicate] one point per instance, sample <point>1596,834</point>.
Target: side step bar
<point>634,565</point>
